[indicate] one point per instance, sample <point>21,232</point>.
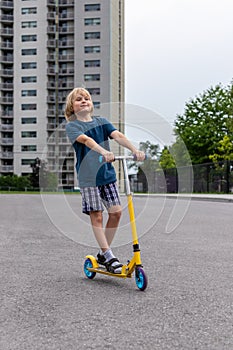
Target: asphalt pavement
<point>47,303</point>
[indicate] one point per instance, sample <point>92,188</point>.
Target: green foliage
<point>166,159</point>
<point>224,150</point>
<point>206,120</point>
<point>15,182</point>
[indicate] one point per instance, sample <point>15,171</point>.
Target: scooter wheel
<point>88,273</point>
<point>140,278</point>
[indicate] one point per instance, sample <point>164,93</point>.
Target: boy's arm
<point>90,143</point>
<point>123,141</point>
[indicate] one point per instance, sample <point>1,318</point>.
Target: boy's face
<point>82,104</point>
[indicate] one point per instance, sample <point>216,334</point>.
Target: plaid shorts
<point>95,198</point>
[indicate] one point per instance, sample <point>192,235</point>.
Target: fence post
<point>227,176</point>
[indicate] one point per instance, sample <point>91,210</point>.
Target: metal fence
<point>199,178</point>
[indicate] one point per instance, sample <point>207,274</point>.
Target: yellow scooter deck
<point>103,271</point>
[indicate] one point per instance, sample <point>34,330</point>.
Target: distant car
<point>76,189</point>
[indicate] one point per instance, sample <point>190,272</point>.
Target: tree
<point>206,120</point>
<point>224,150</point>
<point>166,159</point>
<point>15,182</point>
<point>149,148</point>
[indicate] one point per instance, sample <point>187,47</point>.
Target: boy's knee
<point>96,217</point>
<point>116,214</point>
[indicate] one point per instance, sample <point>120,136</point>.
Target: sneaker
<point>101,259</point>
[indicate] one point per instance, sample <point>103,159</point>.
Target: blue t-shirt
<point>89,169</point>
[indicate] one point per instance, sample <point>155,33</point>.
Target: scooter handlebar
<point>133,157</point>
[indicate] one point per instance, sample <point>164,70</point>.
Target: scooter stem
<point>130,203</point>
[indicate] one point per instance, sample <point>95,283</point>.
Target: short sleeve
<point>73,131</point>
<point>108,126</point>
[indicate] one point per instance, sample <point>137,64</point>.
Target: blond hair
<point>69,112</point>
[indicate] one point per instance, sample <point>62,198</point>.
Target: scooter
<point>91,266</point>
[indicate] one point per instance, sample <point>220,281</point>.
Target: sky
<point>175,50</point>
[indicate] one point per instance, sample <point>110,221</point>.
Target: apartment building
<point>48,47</point>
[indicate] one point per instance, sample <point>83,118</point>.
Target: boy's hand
<point>139,155</point>
<point>109,157</point>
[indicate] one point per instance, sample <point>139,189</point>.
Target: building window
<point>28,107</point>
<point>32,79</point>
<point>29,52</point>
<point>29,24</point>
<point>96,104</point>
<point>92,63</point>
<point>92,49</point>
<point>28,10</point>
<point>26,38</point>
<point>27,161</point>
<point>28,134</point>
<point>29,148</point>
<point>28,93</point>
<point>28,120</point>
<point>94,91</point>
<point>91,77</point>
<point>29,65</point>
<point>92,7</point>
<point>92,21</point>
<point>92,35</point>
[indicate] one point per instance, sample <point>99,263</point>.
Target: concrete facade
<point>47,48</point>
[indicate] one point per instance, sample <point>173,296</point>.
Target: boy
<point>89,137</point>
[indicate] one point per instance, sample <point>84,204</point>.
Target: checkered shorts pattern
<point>95,198</point>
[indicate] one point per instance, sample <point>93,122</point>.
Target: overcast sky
<point>176,49</point>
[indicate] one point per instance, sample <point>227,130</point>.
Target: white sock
<point>108,254</point>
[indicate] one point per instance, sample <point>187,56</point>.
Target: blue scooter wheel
<point>141,278</point>
<point>88,273</point>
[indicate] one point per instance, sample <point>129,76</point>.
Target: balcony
<point>61,85</point>
<point>7,100</point>
<point>7,127</point>
<point>6,4</point>
<point>51,2</point>
<point>66,43</point>
<point>52,113</point>
<point>6,72</point>
<point>59,140</point>
<point>6,45</point>
<point>66,3</point>
<point>61,2</point>
<point>6,168</point>
<point>51,43</point>
<point>61,58</point>
<point>51,15</point>
<point>51,126</point>
<point>66,15</point>
<point>68,169</point>
<point>6,155</point>
<point>6,86</point>
<point>7,59</point>
<point>63,71</point>
<point>7,32</point>
<point>7,18</point>
<point>7,114</point>
<point>66,58</point>
<point>66,30</point>
<point>9,141</point>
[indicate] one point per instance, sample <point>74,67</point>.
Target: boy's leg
<point>97,226</point>
<point>114,215</point>
<point>105,237</point>
<point>110,196</point>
